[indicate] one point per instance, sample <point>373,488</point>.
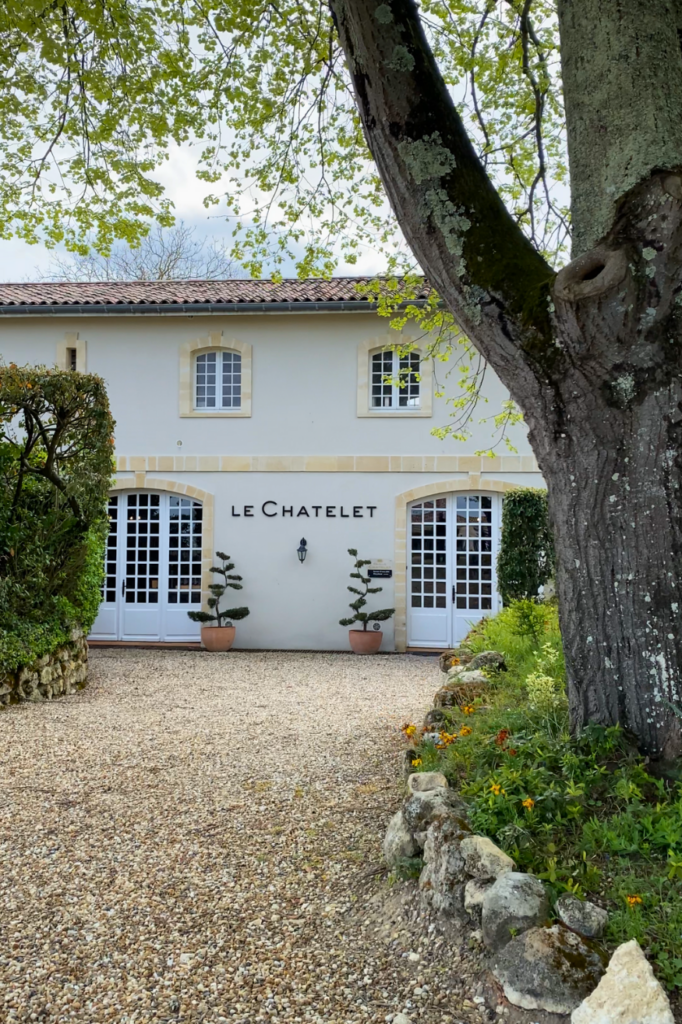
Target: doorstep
<point>182,645</point>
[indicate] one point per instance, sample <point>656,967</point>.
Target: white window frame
<point>214,342</point>
<point>389,342</point>
<point>394,365</point>
<point>217,356</point>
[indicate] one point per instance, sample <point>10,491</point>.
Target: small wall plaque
<point>380,569</point>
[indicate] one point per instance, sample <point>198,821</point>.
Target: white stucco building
<point>250,415</point>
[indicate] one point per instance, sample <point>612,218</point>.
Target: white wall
<point>304,385</point>
<point>304,403</point>
<point>294,605</point>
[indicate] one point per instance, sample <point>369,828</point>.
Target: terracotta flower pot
<point>364,642</point>
<point>217,638</point>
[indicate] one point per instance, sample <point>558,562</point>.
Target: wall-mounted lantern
<point>302,550</point>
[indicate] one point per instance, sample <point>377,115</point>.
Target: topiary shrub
<point>56,444</point>
<point>526,559</point>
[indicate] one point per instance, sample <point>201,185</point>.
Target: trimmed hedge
<point>56,441</point>
<point>526,559</point>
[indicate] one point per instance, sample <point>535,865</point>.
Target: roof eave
<point>191,308</point>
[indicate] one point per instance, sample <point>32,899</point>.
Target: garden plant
<point>218,590</point>
<point>588,815</point>
<point>361,600</point>
<point>56,445</point>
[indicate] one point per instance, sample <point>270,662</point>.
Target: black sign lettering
<point>357,511</point>
<point>330,513</point>
<point>235,513</point>
<point>287,511</point>
<point>371,511</point>
<point>248,510</point>
<point>344,515</point>
<point>303,511</point>
<point>269,514</point>
<point>317,510</point>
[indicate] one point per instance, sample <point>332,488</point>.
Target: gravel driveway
<point>197,838</point>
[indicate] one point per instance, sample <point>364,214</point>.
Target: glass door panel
<point>428,572</point>
<point>183,591</point>
<point>141,618</point>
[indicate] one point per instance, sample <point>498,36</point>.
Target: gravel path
<point>197,838</point>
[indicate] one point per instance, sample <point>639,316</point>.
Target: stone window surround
<point>383,341</point>
<point>72,340</point>
<point>188,353</point>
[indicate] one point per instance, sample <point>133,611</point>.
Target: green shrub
<point>526,559</point>
<point>56,438</point>
<point>28,641</point>
<point>585,814</point>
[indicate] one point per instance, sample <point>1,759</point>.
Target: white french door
<point>452,584</point>
<point>152,568</point>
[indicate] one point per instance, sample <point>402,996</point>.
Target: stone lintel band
<point>326,464</point>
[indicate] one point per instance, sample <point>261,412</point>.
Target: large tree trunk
<point>593,356</point>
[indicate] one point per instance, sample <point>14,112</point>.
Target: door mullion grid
<point>164,549</point>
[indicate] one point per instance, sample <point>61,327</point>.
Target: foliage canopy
<point>94,96</point>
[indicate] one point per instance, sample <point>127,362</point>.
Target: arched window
<point>395,380</point>
<point>218,380</point>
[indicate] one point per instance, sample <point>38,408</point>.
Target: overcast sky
<point>22,262</point>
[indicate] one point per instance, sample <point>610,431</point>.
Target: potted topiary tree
<point>362,641</point>
<point>221,636</point>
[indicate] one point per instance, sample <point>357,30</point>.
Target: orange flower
<point>512,752</point>
<point>417,762</point>
<point>468,709</point>
<point>496,789</point>
<point>502,737</point>
<point>528,804</point>
<point>466,730</point>
<point>633,900</point>
<point>408,729</point>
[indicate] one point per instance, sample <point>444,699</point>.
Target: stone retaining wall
<point>54,675</point>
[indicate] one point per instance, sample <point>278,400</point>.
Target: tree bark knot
<point>595,273</point>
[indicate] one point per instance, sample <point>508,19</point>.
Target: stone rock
<point>436,719</point>
<point>423,782</point>
<point>423,809</point>
<point>581,916</point>
<point>627,994</point>
<point>450,659</point>
<point>491,660</point>
<point>400,1018</point>
<point>474,894</point>
<point>549,969</point>
<point>441,880</point>
<point>485,860</point>
<point>399,843</point>
<point>461,689</point>
<point>472,678</point>
<point>513,904</point>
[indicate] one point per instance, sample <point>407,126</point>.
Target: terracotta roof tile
<point>170,293</point>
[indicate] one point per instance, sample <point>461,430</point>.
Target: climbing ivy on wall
<point>526,559</point>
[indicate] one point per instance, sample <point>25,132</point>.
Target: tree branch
<point>482,264</point>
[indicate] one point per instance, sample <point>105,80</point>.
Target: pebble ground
<point>197,837</point>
